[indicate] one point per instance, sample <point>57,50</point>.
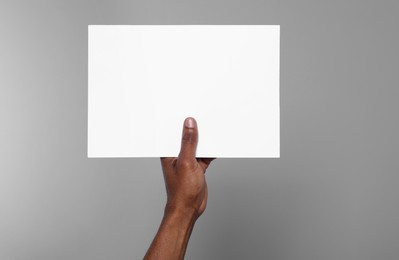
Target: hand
<point>187,195</point>
<point>184,176</point>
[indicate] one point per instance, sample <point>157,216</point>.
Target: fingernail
<point>189,122</point>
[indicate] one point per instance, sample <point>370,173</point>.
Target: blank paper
<point>144,80</point>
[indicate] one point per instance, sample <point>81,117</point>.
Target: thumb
<point>189,140</point>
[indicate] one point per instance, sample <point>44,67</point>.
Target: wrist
<point>182,213</point>
<point>173,234</point>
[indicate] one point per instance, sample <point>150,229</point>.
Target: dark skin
<point>187,195</point>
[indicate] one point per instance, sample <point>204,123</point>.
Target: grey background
<point>332,195</point>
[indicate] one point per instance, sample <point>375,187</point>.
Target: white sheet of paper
<point>144,80</point>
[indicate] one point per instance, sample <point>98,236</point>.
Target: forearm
<point>173,235</point>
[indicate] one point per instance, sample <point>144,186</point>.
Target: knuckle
<point>184,164</point>
<point>188,138</point>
